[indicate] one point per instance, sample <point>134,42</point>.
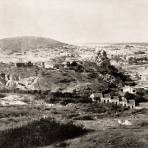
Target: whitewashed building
<point>129,89</point>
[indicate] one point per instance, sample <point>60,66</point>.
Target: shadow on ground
<point>39,133</point>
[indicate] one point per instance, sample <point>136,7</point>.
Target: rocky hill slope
<point>77,76</point>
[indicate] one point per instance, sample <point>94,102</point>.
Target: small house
<point>128,89</point>
<point>96,97</point>
<point>115,100</point>
<point>106,98</point>
<point>123,103</point>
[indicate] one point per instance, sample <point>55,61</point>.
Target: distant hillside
<point>91,44</point>
<point>134,43</point>
<point>29,42</point>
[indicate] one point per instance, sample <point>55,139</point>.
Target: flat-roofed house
<point>115,100</point>
<point>129,89</point>
<point>96,97</point>
<point>106,98</point>
<point>123,101</point>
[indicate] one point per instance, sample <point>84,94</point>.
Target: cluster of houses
<point>117,100</point>
<point>47,64</point>
<point>24,64</point>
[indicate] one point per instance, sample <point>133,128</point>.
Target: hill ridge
<point>14,44</point>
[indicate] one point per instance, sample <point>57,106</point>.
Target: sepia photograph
<point>73,73</point>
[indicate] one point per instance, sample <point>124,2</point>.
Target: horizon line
<point>73,42</point>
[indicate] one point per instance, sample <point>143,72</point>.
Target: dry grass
<point>111,138</point>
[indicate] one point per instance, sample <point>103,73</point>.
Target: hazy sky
<point>76,20</point>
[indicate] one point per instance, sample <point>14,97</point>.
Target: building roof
<point>107,96</point>
<point>97,95</point>
<point>131,101</point>
<point>116,97</point>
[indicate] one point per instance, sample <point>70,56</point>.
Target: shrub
<point>2,95</point>
<point>39,133</point>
